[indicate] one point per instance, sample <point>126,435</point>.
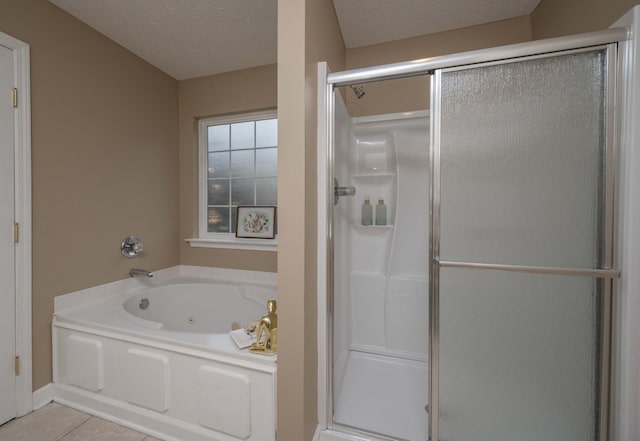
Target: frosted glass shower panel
<point>518,356</point>
<point>522,161</point>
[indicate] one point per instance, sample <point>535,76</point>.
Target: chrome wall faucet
<point>137,272</point>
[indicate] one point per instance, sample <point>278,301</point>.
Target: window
<point>238,166</point>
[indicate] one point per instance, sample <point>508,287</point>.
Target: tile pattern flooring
<point>55,422</point>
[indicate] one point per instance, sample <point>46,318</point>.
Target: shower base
<point>383,394</point>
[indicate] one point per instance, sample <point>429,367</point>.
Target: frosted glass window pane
<point>522,157</point>
<point>218,192</point>
<point>218,137</point>
<point>242,135</point>
<point>242,163</point>
<point>267,162</point>
<point>242,192</point>
<point>267,133</point>
<point>218,219</point>
<point>218,166</point>
<point>267,192</point>
<point>518,356</point>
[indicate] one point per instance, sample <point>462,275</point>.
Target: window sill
<point>234,243</point>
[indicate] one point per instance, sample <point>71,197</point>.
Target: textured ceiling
<point>194,38</point>
<point>186,38</point>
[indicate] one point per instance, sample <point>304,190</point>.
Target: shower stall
<point>480,307</point>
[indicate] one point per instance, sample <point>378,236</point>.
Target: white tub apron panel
<point>83,363</point>
<point>160,391</point>
<point>231,412</point>
<point>147,376</point>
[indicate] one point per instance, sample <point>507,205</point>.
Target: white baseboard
<point>43,396</point>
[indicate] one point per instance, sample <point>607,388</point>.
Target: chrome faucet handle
<point>131,247</point>
<point>341,191</point>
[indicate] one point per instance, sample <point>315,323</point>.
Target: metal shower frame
<point>327,84</point>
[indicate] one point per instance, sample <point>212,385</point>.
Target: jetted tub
<point>210,308</point>
<point>158,357</point>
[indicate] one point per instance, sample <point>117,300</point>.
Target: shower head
<point>358,90</point>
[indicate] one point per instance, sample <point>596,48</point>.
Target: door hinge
<point>17,365</point>
<point>15,97</point>
<point>16,232</point>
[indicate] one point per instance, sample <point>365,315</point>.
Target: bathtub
<point>155,355</point>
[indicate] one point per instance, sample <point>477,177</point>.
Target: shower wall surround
<point>381,284</point>
<point>388,268</point>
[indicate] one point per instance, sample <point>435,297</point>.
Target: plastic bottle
<point>367,212</point>
<point>381,212</point>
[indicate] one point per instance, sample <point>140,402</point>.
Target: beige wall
<point>554,18</point>
<point>408,94</point>
<point>301,44</point>
<point>104,137</point>
<point>234,92</point>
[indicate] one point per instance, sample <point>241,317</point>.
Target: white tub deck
<point>107,317</point>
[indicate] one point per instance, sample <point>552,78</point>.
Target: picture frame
<point>256,221</point>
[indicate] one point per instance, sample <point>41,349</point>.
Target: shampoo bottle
<point>367,212</point>
<point>381,212</point>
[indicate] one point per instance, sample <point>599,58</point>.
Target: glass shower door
<point>521,245</point>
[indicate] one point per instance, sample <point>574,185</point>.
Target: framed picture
<point>258,222</point>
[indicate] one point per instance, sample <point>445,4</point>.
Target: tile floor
<point>55,422</point>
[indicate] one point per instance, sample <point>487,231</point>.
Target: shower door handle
<point>341,191</point>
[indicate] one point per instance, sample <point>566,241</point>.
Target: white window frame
<point>223,240</point>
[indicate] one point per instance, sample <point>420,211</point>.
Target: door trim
<point>22,158</point>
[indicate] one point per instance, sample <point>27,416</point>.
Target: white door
<point>7,256</point>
